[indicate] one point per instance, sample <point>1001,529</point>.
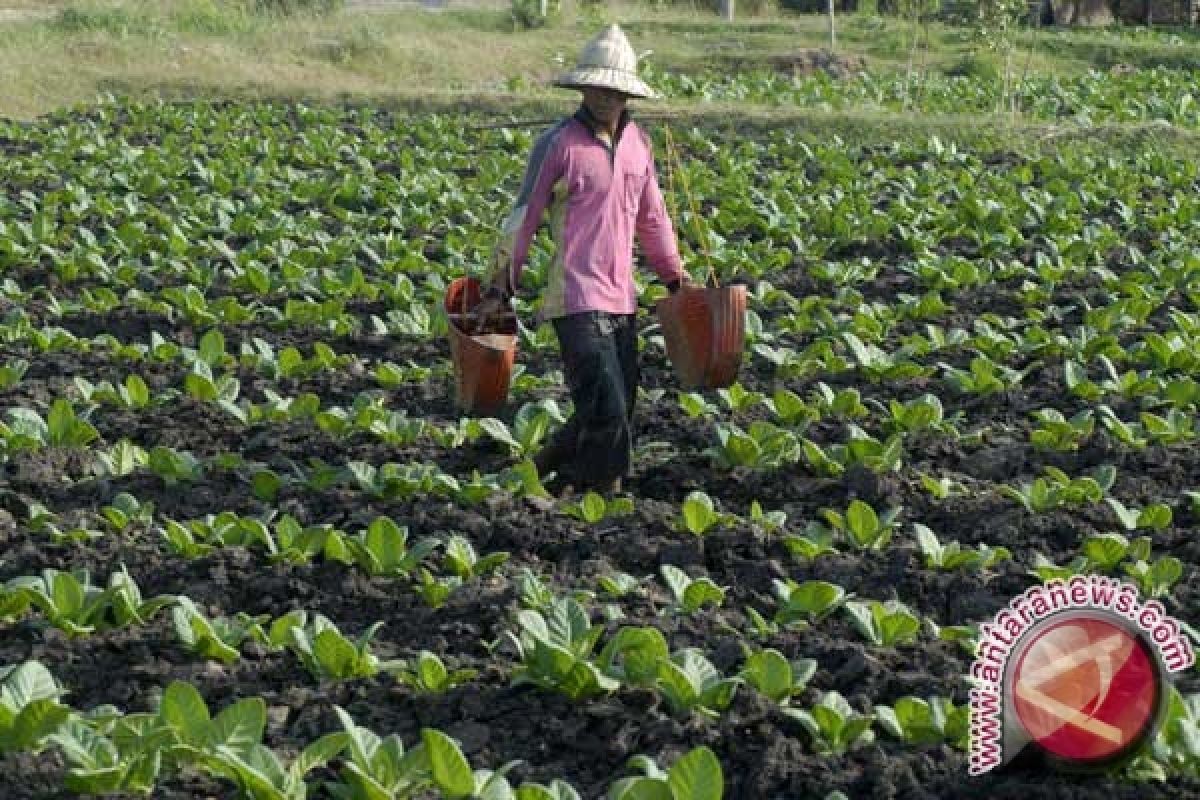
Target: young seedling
<point>884,624</point>
<point>691,595</point>
<point>766,521</point>
<point>1058,434</point>
<point>216,639</point>
<point>691,684</point>
<point>1056,489</point>
<point>861,527</point>
<point>695,776</point>
<point>462,560</point>
<point>593,508</point>
<point>435,590</point>
<point>376,767</point>
<point>816,541</point>
<point>698,515</point>
<point>919,722</point>
<point>769,672</point>
<point>834,726</point>
<point>1156,516</point>
<point>618,584</point>
<point>951,555</point>
<point>802,603</point>
<point>428,675</point>
<point>383,549</point>
<point>29,707</point>
<point>632,656</point>
<point>555,651</point>
<point>329,655</point>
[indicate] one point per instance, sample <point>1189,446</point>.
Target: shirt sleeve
<point>502,269</point>
<point>548,172</point>
<point>654,229</point>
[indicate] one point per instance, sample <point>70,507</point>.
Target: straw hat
<point>608,62</point>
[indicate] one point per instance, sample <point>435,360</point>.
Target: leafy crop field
<point>250,548</point>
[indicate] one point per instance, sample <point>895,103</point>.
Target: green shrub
<point>286,7</point>
<point>527,14</point>
<point>974,66</point>
<point>88,19</point>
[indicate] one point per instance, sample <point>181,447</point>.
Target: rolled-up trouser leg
<point>592,348</point>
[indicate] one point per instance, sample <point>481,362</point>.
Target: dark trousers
<point>599,352</point>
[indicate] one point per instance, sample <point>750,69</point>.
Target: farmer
<point>594,173</point>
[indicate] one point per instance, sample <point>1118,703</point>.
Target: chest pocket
<point>631,195</point>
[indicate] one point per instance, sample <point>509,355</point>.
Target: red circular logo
<point>1085,689</point>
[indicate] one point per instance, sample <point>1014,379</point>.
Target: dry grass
<point>412,57</point>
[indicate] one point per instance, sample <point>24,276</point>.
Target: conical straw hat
<point>607,62</point>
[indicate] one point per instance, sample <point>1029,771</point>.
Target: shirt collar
<point>584,115</point>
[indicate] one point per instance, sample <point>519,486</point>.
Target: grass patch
<point>205,46</point>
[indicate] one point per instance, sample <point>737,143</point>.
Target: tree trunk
<point>727,10</point>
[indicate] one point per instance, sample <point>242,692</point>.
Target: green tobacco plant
<point>378,767</point>
<point>690,595</point>
<point>696,775</point>
<point>884,624</point>
<point>691,684</point>
<point>462,560</point>
<point>383,549</point>
<point>761,446</point>
<point>861,527</point>
<point>698,515</point>
<point>834,726</point>
<point>633,655</point>
<point>70,602</point>
<point>776,678</point>
<point>1056,489</point>
<point>436,590</point>
<point>427,674</point>
<point>230,746</point>
<point>766,521</point>
<point>985,377</point>
<point>737,398</point>
<point>11,373</point>
<point>593,508</point>
<point>125,510</point>
<point>618,584</point>
<point>132,394</point>
<point>218,639</point>
<point>1057,433</point>
<point>922,413</point>
<point>919,722</point>
<point>30,710</point>
<point>530,427</point>
<point>878,365</point>
<point>861,449</point>
<point>329,655</point>
<point>802,603</point>
<point>951,555</point>
<point>790,409</point>
<point>27,430</point>
<point>555,651</point>
<point>1156,516</point>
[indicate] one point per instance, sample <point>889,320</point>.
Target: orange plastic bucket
<point>705,333</point>
<point>483,362</point>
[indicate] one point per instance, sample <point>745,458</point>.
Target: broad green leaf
<point>184,710</point>
<point>697,776</point>
<point>451,772</point>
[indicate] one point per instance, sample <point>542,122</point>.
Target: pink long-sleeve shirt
<point>597,199</point>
